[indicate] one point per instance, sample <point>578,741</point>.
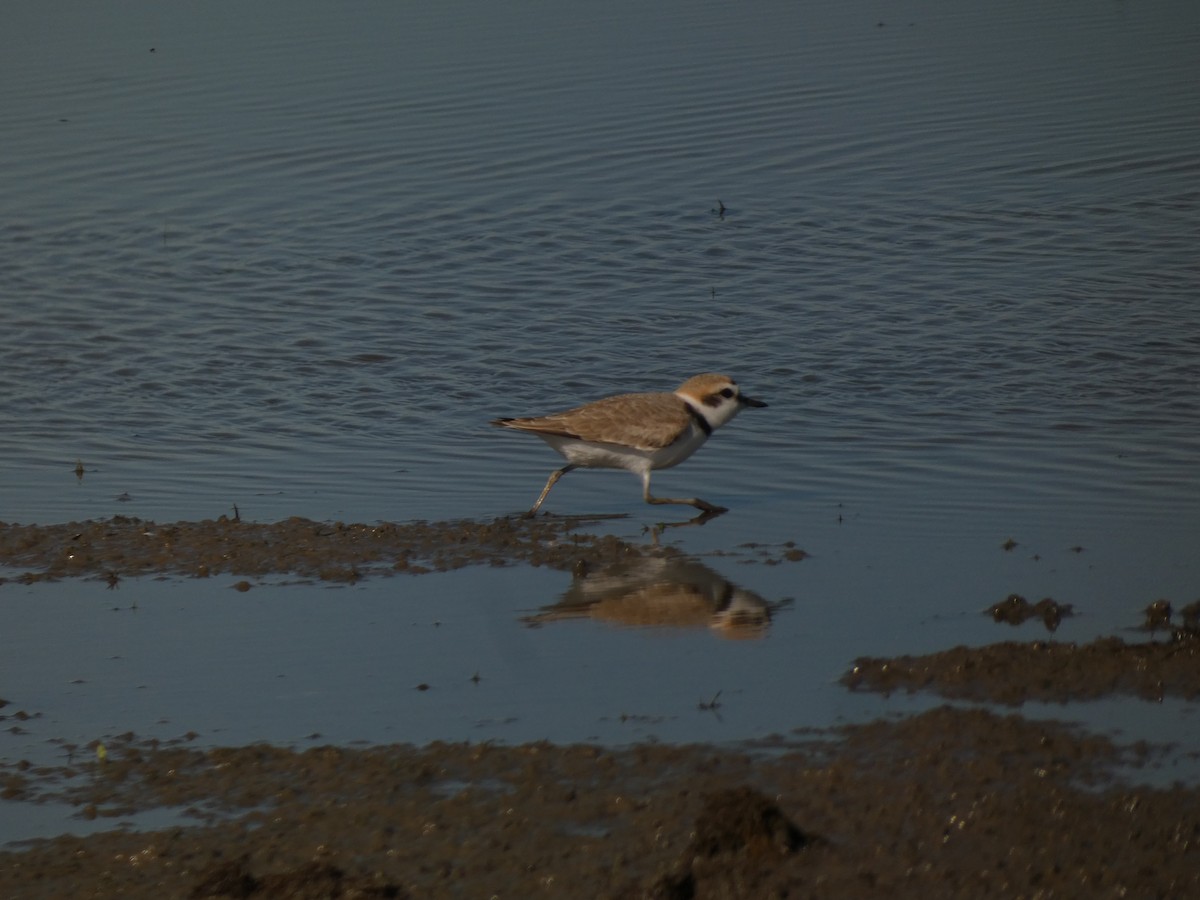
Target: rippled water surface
<point>295,256</point>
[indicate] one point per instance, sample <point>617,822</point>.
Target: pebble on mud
<point>1015,609</point>
<point>743,820</point>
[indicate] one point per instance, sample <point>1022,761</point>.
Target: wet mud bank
<point>128,546</point>
<point>950,803</point>
<point>1011,672</point>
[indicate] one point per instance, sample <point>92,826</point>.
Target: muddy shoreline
<point>1012,672</point>
<point>330,551</point>
<point>953,802</point>
<point>950,803</point>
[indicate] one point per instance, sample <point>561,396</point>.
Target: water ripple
<point>281,251</point>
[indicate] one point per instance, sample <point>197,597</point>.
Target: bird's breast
<point>675,453</point>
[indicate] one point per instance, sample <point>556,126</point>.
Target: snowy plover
<point>638,432</point>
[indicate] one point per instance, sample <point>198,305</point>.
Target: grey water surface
<point>294,256</point>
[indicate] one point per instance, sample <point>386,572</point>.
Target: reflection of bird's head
<point>747,616</point>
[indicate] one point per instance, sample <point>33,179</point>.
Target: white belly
<point>615,456</point>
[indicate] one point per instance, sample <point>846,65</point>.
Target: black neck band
<point>698,418</point>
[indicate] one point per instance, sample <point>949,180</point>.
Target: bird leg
<point>550,482</point>
<point>682,501</point>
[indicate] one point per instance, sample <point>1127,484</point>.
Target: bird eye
<point>727,393</point>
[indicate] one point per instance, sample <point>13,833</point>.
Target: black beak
<point>750,401</point>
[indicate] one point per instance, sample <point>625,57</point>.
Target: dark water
<point>295,256</point>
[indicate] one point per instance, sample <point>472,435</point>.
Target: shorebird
<point>638,432</point>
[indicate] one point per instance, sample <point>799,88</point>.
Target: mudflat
<point>949,803</point>
<point>953,802</point>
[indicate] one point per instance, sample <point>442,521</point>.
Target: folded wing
<point>643,421</point>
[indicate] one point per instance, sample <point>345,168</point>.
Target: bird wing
<point>643,421</point>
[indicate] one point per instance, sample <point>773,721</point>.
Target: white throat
<point>715,416</point>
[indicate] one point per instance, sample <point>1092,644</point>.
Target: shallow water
<point>294,259</point>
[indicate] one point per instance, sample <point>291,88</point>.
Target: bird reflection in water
<point>662,593</point>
